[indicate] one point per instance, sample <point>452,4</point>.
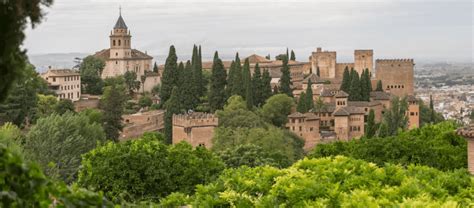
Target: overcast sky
<point>421,29</point>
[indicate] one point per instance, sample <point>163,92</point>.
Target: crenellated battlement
<point>195,119</point>
<point>348,63</point>
<point>394,60</point>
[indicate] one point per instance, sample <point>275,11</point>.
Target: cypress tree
<point>200,89</point>
<point>186,93</point>
<point>217,95</point>
<point>276,90</point>
<point>247,81</point>
<point>112,103</point>
<point>346,80</point>
<point>237,84</point>
<point>287,54</point>
<point>257,86</point>
<point>432,111</point>
<point>285,80</point>
<point>355,89</point>
<point>230,80</point>
<point>155,68</point>
<point>368,78</point>
<point>364,94</point>
<point>370,128</point>
<point>266,86</point>
<point>379,86</point>
<point>301,106</point>
<point>172,106</point>
<point>309,96</point>
<point>293,57</point>
<point>170,75</point>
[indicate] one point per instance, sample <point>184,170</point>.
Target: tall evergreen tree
<point>285,80</point>
<point>237,84</point>
<point>266,86</point>
<point>432,111</point>
<point>301,106</point>
<point>247,81</point>
<point>293,57</point>
<point>309,96</point>
<point>370,128</point>
<point>217,96</point>
<point>355,89</point>
<point>369,80</point>
<point>257,85</point>
<point>230,80</point>
<point>170,75</point>
<point>187,94</point>
<point>155,68</point>
<point>346,80</point>
<point>364,93</point>
<point>276,90</point>
<point>172,106</point>
<point>379,86</point>
<point>112,104</point>
<point>287,54</point>
<point>198,74</point>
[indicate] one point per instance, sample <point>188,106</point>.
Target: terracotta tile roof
<point>296,115</point>
<point>314,79</point>
<point>341,94</point>
<point>467,131</point>
<point>349,110</point>
<point>364,103</point>
<point>328,108</point>
<point>311,116</point>
<point>62,72</point>
<point>378,95</point>
<point>254,58</point>
<point>328,92</point>
<point>136,54</point>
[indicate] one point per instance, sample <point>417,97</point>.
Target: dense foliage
<point>112,103</point>
<point>57,143</point>
<point>333,182</point>
<point>91,69</point>
<point>217,94</point>
<point>285,79</point>
<point>432,145</point>
<point>277,108</point>
<point>147,169</point>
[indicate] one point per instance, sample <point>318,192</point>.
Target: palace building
<point>66,83</point>
<point>120,57</point>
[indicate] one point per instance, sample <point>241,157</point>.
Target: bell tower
<point>120,40</point>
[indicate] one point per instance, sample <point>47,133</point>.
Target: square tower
<point>363,59</point>
<point>325,61</point>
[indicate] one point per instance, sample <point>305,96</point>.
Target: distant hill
<point>55,60</point>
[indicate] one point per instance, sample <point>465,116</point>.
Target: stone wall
<point>396,75</point>
<point>340,69</point>
<point>413,115</point>
<point>86,102</point>
<point>137,124</point>
<point>196,128</point>
<point>326,61</point>
<point>363,59</point>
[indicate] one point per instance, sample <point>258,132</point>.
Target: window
<point>412,113</point>
<point>311,129</point>
<point>116,62</point>
<point>119,42</point>
<point>116,54</point>
<point>301,128</point>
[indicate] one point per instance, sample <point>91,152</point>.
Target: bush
<point>57,143</point>
<point>333,182</point>
<point>432,145</point>
<point>146,169</point>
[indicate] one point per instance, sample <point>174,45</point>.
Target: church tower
<point>120,40</point>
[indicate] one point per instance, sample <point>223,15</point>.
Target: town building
<point>120,57</point>
<point>66,83</point>
<point>306,126</point>
<point>135,125</point>
<point>348,120</point>
<point>468,133</point>
<point>195,128</point>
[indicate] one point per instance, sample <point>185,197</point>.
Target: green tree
<point>146,169</point>
<point>371,126</point>
<point>266,86</point>
<point>14,17</point>
<point>293,57</point>
<point>172,106</point>
<point>249,155</point>
<point>20,106</point>
<point>91,69</point>
<point>94,115</point>
<point>395,118</point>
<point>301,106</point>
<point>145,101</point>
<point>112,103</point>
<point>196,62</point>
<point>355,89</point>
<point>60,141</point>
<point>277,108</point>
<point>155,67</point>
<point>432,111</point>
<point>247,82</point>
<point>346,80</point>
<point>364,92</point>
<point>236,115</point>
<point>189,99</point>
<point>131,82</point>
<point>426,113</point>
<point>379,86</point>
<point>257,86</point>
<point>170,75</point>
<point>46,104</point>
<point>237,83</point>
<point>63,106</point>
<point>368,81</point>
<point>285,79</point>
<point>309,96</point>
<point>217,95</point>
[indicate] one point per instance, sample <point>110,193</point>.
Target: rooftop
<point>467,131</point>
<point>349,110</point>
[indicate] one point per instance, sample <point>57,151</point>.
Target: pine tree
<point>309,96</point>
<point>379,86</point>
<point>170,75</point>
<point>355,89</point>
<point>266,86</point>
<point>257,85</point>
<point>301,106</point>
<point>237,84</point>
<point>317,72</point>
<point>371,128</point>
<point>346,80</point>
<point>187,96</point>
<point>285,80</point>
<point>172,106</point>
<point>293,57</point>
<point>155,68</point>
<point>217,96</point>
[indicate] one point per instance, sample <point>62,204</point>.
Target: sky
<point>426,30</point>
